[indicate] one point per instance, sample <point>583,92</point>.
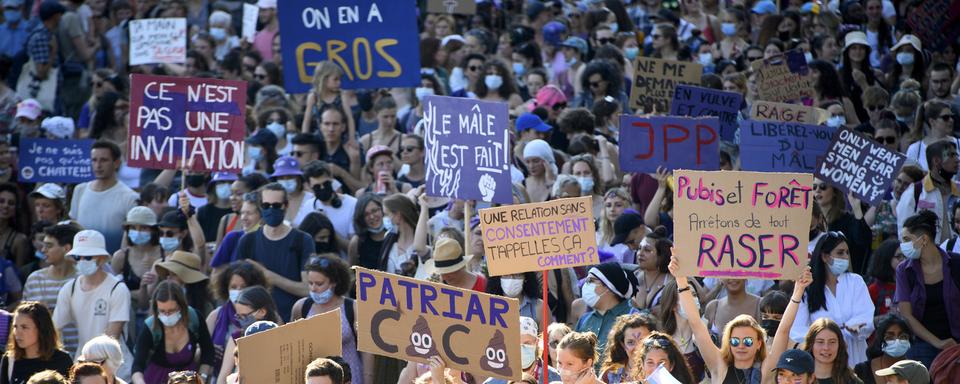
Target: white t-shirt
<point>306,206</point>
<point>92,311</point>
<point>918,152</point>
<point>195,201</point>
<point>342,218</point>
<point>103,211</point>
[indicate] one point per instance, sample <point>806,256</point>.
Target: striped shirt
<point>44,288</point>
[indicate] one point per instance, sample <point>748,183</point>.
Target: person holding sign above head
<point>607,292</point>
<point>838,295</point>
<point>937,192</point>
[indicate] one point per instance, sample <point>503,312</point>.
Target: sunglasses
<point>821,186</point>
<point>754,58</point>
<point>559,106</point>
<point>83,258</point>
<point>606,40</point>
<point>747,342</point>
<point>886,139</point>
<point>318,262</point>
<point>946,117</point>
<point>271,205</point>
<point>259,77</point>
<point>658,342</point>
<point>408,148</point>
<point>98,84</point>
<point>473,68</point>
<point>874,108</point>
<point>836,234</point>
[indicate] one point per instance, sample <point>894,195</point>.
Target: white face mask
<point>511,287</point>
<point>422,92</point>
<point>234,294</point>
<point>87,267</point>
<point>528,355</point>
<point>493,82</point>
<point>290,185</point>
<point>589,294</point>
<point>223,191</point>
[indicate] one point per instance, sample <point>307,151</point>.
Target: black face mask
<point>324,191</point>
<point>322,247</point>
<point>196,181</point>
<point>946,176</point>
<point>770,326</point>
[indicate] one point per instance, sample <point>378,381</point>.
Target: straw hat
<point>183,264</point>
<point>447,257</point>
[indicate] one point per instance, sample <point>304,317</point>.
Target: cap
<point>258,327</point>
<point>911,370</point>
<point>376,150</point>
<point>184,265</point>
<point>141,215</point>
<point>553,32</point>
<point>575,43</point>
<point>51,8</point>
<point>50,191</point>
<point>796,361</point>
<point>528,326</point>
<point>855,37</point>
<point>172,219</point>
<point>764,7</point>
<point>267,3</point>
<point>223,176</point>
<point>532,121</point>
<point>534,7</point>
<point>58,127</point>
<point>286,166</point>
<point>548,96</point>
<point>29,108</point>
<point>88,242</point>
<point>263,138</point>
<point>909,39</point>
<point>623,225</point>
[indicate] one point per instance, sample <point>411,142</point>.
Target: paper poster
<point>790,113</point>
<point>281,355</point>
<point>776,146</point>
<point>858,164</point>
<point>250,15</point>
<point>935,22</point>
<point>742,225</point>
<point>539,236</point>
<point>669,141</point>
<point>158,41</point>
<point>784,78</point>
<point>375,42</point>
<point>54,161</point>
<point>662,376</point>
<point>467,145</point>
<point>655,81</point>
<point>459,7</point>
<point>176,121</point>
<point>412,320</point>
<point>694,101</point>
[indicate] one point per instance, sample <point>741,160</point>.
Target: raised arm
<point>782,339</point>
<point>423,228</point>
<point>652,215</point>
<point>701,336</point>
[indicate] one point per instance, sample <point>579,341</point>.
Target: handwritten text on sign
<point>791,113</point>
<point>375,43</point>
<point>282,353</point>
<point>468,149</point>
<point>539,236</point>
<point>860,165</point>
<point>696,102</point>
<point>656,80</point>
<point>175,121</point>
<point>742,224</point>
<point>673,142</point>
<point>156,41</point>
<point>770,146</point>
<point>413,320</point>
<point>60,161</point>
<point>784,78</point>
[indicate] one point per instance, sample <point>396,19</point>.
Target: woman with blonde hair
<point>576,356</point>
<point>615,201</point>
<point>326,92</point>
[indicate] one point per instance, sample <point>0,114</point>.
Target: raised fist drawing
<point>487,187</point>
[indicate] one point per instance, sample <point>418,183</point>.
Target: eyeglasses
<point>559,106</point>
<point>946,117</point>
<point>836,234</point>
<point>886,139</point>
<point>747,342</point>
<point>271,205</point>
<point>606,40</point>
<point>754,58</point>
<point>84,258</point>
<point>408,148</point>
<point>821,186</point>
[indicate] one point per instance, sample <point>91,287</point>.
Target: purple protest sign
<point>694,101</point>
<point>776,146</point>
<point>672,142</point>
<point>468,149</point>
<point>858,164</point>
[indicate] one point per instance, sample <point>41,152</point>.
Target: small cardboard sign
<point>776,146</point>
<point>54,161</point>
<point>281,355</point>
<point>742,225</point>
<point>935,22</point>
<point>412,320</point>
<point>655,81</point>
<point>467,145</point>
<point>176,121</point>
<point>250,15</point>
<point>674,142</point>
<point>790,113</point>
<point>784,78</point>
<point>539,236</point>
<point>858,164</point>
<point>694,101</point>
<point>458,7</point>
<point>158,41</point>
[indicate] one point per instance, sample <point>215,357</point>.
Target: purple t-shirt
<point>910,288</point>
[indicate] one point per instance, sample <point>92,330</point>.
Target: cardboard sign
<point>539,236</point>
<point>694,101</point>
<point>176,121</point>
<point>281,355</point>
<point>158,41</point>
<point>655,81</point>
<point>459,7</point>
<point>776,146</point>
<point>55,161</point>
<point>790,113</point>
<point>412,320</point>
<point>669,141</point>
<point>935,22</point>
<point>250,15</point>
<point>468,149</point>
<point>784,78</point>
<point>742,225</point>
<point>858,164</point>
<point>376,43</point>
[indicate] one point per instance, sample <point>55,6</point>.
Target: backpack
<point>348,311</point>
<point>193,327</point>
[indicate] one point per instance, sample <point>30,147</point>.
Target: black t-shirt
<point>24,368</point>
<point>285,257</point>
<point>209,217</point>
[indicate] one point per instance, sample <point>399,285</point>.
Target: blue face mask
<point>896,348</point>
<point>631,52</point>
<point>905,58</point>
<point>218,34</point>
<point>234,294</point>
<point>839,266</point>
<point>388,224</point>
<point>40,255</point>
<point>87,267</point>
<point>169,244</point>
<point>139,237</point>
<point>323,297</point>
<point>255,153</point>
<point>518,69</point>
<point>272,216</point>
<point>728,29</point>
<point>170,320</point>
<point>12,16</point>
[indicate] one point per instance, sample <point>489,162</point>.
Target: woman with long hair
<point>601,78</point>
<point>882,272</point>
<point>934,122</point>
<point>498,84</point>
<point>590,177</point>
<point>226,287</point>
<point>908,63</point>
<point>14,227</point>
<point>824,340</point>
<point>828,87</point>
<point>626,335</point>
<point>838,218</point>
<point>653,257</point>
<point>397,254</point>
<point>33,345</point>
<point>659,349</point>
<point>253,304</point>
<point>615,201</point>
<point>856,71</point>
<point>576,355</point>
<point>365,246</point>
<point>889,346</point>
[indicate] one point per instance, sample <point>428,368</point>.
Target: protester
<point>905,371</point>
<point>102,204</point>
<point>323,371</point>
<point>625,337</point>
<point>43,285</point>
<point>34,347</point>
<point>88,373</point>
<point>607,291</point>
<point>104,351</point>
<point>254,306</point>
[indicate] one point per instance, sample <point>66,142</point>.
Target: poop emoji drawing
<point>421,340</point>
<point>495,356</point>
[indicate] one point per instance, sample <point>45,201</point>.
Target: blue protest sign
<point>857,164</point>
<point>55,161</point>
<point>376,43</point>
<point>672,142</point>
<point>694,101</point>
<point>776,146</point>
<point>468,149</point>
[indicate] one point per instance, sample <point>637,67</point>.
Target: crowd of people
<point>150,276</point>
